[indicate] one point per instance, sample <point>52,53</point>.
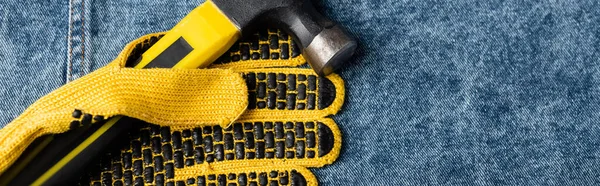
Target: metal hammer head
<point>325,45</point>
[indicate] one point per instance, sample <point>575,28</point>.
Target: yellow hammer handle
<point>205,29</point>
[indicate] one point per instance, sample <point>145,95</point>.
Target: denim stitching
<point>82,38</point>
<point>70,43</point>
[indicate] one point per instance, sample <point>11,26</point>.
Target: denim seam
<point>70,43</point>
<point>82,38</point>
<point>77,63</point>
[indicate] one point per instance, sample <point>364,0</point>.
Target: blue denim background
<point>439,92</point>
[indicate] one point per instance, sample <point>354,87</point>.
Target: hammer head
<point>325,45</point>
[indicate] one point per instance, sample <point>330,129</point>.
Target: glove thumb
<point>167,96</point>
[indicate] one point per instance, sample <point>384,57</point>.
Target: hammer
<point>210,29</point>
<point>195,42</point>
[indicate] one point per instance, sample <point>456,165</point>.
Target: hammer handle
<point>195,42</point>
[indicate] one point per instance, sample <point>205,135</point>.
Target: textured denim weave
<point>439,92</point>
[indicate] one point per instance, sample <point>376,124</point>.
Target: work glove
<point>283,130</point>
<point>252,118</point>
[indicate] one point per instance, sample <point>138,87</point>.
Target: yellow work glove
<point>239,122</point>
<point>284,130</point>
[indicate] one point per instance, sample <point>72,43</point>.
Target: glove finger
<point>309,143</point>
<point>291,93</point>
<point>265,48</point>
<point>170,151</point>
<point>242,176</point>
<point>263,175</point>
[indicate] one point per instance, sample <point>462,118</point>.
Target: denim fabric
<point>439,92</point>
